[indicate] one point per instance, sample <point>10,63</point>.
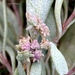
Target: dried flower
<point>45,43</point>
<point>37,55</point>
<point>35,44</point>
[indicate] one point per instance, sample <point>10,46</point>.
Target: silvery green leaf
<point>58,5</point>
<point>20,57</point>
<point>12,55</point>
<point>16,72</point>
<point>24,55</point>
<point>65,4</point>
<point>43,68</point>
<point>9,42</point>
<point>0,45</point>
<point>20,69</point>
<point>11,18</point>
<point>58,60</point>
<point>39,7</point>
<point>29,27</point>
<point>50,22</point>
<point>36,68</point>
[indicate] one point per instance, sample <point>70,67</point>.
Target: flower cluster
<point>27,44</point>
<point>38,24</point>
<point>30,47</point>
<point>45,43</point>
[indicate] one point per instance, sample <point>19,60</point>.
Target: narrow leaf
<point>36,68</point>
<point>12,55</point>
<point>11,18</point>
<point>50,22</point>
<point>58,5</point>
<point>43,68</point>
<point>58,60</point>
<point>65,4</point>
<point>20,69</point>
<point>16,72</point>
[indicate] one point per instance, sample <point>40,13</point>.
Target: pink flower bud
<point>35,44</point>
<point>37,55</point>
<point>24,43</point>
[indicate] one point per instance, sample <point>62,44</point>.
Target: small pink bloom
<point>24,43</point>
<point>43,29</point>
<point>26,46</point>
<point>35,44</point>
<point>37,55</point>
<point>31,18</point>
<point>37,22</point>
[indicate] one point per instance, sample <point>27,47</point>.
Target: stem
<point>5,63</point>
<point>47,68</point>
<point>5,27</point>
<point>71,23</point>
<point>71,71</point>
<point>28,68</point>
<point>47,56</point>
<point>69,20</point>
<point>17,15</point>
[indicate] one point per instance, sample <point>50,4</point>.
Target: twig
<point>17,15</point>
<point>5,27</point>
<point>71,71</point>
<point>47,56</point>
<point>69,20</point>
<point>71,23</point>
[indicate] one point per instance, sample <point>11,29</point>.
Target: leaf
<point>16,72</point>
<point>12,55</point>
<point>9,42</point>
<point>50,22</point>
<point>65,4</point>
<point>0,45</point>
<point>39,7</point>
<point>20,69</point>
<point>67,45</point>
<point>36,68</point>
<point>43,68</point>
<point>23,55</point>
<point>11,18</point>
<point>58,60</point>
<point>58,5</point>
